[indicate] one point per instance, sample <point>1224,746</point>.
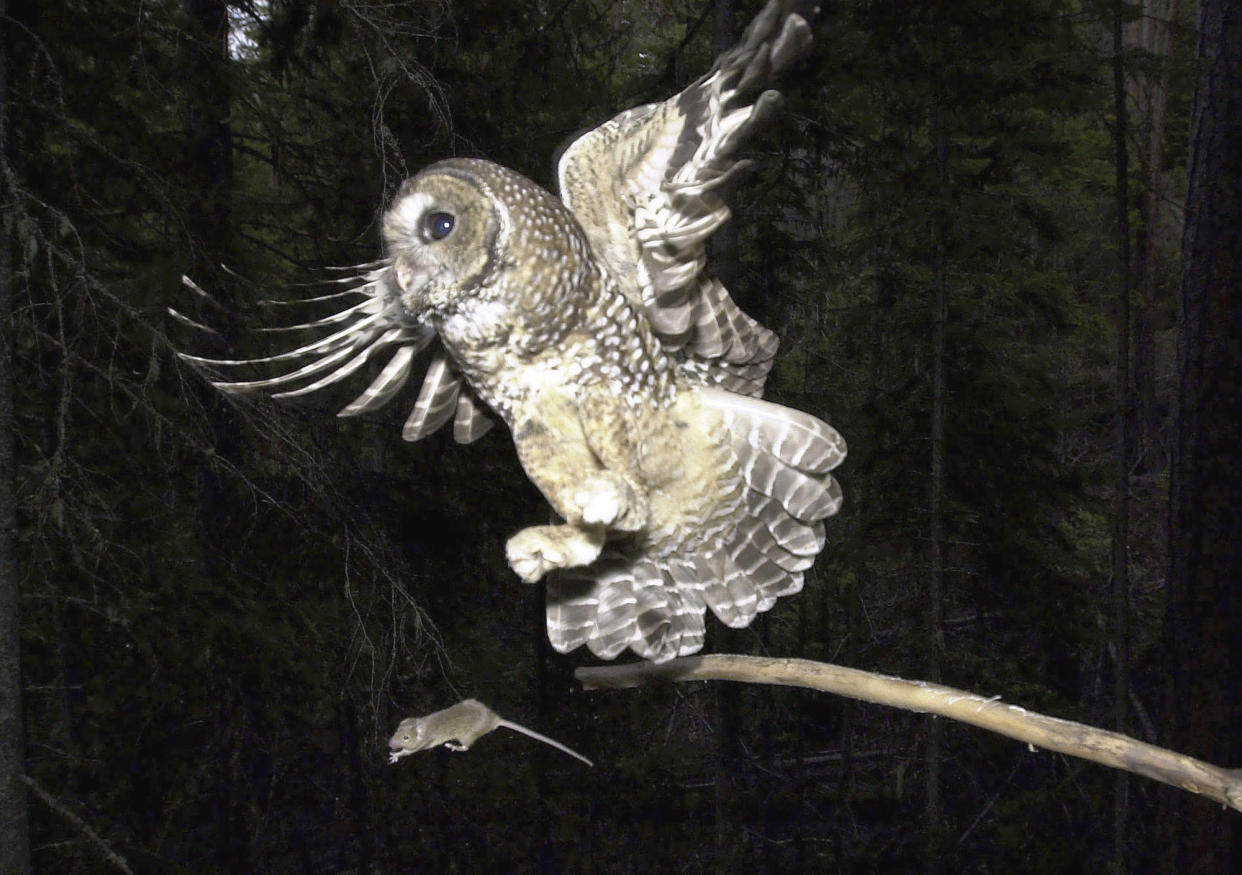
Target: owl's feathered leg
<point>554,448</point>
<point>560,458</point>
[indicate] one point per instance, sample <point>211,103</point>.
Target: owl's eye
<point>439,225</point>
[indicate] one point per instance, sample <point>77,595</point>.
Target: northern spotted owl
<point>630,380</point>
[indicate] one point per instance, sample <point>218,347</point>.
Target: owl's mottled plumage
<point>628,377</point>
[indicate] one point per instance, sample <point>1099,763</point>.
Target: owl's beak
<point>411,281</point>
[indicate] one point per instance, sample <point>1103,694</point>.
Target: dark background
<point>227,605</point>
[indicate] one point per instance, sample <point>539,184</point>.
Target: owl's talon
<point>534,552</point>
<point>530,568</point>
<point>607,500</point>
<point>599,508</point>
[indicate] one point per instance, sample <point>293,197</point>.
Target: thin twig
<point>1037,730</point>
<point>79,824</point>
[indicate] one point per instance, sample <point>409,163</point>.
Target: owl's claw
<point>600,507</point>
<point>531,561</point>
<point>534,552</point>
<point>607,500</point>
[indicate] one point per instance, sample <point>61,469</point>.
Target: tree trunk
<point>209,139</point>
<point>1121,438</point>
<point>14,828</point>
<point>208,174</point>
<point>1152,96</point>
<point>1203,709</point>
<point>933,811</point>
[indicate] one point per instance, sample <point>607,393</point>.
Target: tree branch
<point>1037,730</point>
<point>79,824</point>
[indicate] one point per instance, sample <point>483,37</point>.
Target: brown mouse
<point>457,727</point>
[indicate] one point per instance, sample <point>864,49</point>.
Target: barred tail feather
<point>654,608</point>
<point>572,604</point>
<point>615,614</point>
<point>729,593</point>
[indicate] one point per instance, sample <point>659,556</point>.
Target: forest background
<point>966,227</point>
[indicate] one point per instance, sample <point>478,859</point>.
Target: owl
<point>630,381</point>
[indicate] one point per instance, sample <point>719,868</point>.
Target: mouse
<point>457,727</point>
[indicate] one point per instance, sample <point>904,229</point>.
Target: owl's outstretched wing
<point>646,188</point>
<point>368,328</point>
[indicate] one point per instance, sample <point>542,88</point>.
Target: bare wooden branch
<point>1037,730</point>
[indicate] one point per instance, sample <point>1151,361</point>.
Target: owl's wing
<point>646,188</point>
<point>367,329</point>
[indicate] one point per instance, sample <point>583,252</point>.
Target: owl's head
<point>467,232</point>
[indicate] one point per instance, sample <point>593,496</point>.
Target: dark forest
<point>1001,245</point>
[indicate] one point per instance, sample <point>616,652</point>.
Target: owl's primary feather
<point>627,375</point>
